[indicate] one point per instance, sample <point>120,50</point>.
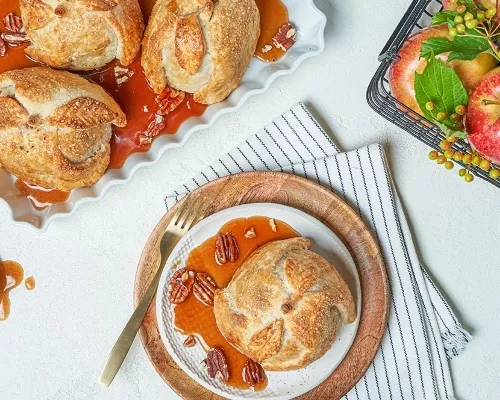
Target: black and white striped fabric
<point>422,332</point>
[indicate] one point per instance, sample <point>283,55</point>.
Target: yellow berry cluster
<point>468,159</point>
<point>466,19</point>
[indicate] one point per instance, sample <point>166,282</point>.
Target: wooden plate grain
<point>321,203</point>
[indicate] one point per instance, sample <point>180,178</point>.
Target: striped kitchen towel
<point>422,332</point>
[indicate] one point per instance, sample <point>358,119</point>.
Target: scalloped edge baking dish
<point>310,23</point>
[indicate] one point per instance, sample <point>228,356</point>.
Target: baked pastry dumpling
<point>82,35</point>
<point>284,306</point>
<point>200,46</point>
<point>55,127</point>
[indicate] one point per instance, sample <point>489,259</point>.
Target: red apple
<point>402,71</point>
<point>483,116</point>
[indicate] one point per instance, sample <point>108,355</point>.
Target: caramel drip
<point>30,283</point>
<point>11,276</point>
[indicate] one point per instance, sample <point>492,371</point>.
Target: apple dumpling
<point>200,46</point>
<point>284,306</point>
<point>82,35</point>
<point>55,127</point>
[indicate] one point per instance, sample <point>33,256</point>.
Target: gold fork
<point>190,212</point>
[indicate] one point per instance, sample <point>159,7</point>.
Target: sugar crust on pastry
<point>200,46</point>
<point>284,306</point>
<point>55,127</point>
<point>82,34</point>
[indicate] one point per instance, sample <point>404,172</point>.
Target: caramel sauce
<point>30,283</point>
<point>194,318</point>
<point>11,276</point>
<point>137,101</point>
<point>273,15</point>
<point>39,196</point>
<point>15,57</point>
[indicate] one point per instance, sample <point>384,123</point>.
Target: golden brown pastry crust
<point>82,34</point>
<point>284,306</point>
<point>55,127</point>
<point>200,46</point>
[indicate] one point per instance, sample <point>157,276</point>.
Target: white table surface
<point>58,336</point>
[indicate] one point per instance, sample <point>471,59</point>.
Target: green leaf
<point>460,48</point>
<point>468,48</point>
<point>440,85</point>
<point>442,17</point>
<point>434,46</point>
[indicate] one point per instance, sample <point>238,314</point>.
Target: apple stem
<point>486,102</point>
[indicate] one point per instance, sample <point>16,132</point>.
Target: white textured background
<point>58,336</point>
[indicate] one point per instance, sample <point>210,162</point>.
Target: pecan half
<point>13,23</point>
<point>190,341</point>
<point>122,74</point>
<point>155,127</point>
<point>180,286</point>
<point>267,48</point>
<point>253,373</point>
<point>249,234</point>
<point>3,47</point>
<point>226,248</point>
<point>14,39</point>
<point>217,364</point>
<point>204,288</point>
<point>285,37</point>
<point>169,100</point>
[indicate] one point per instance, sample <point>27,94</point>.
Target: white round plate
<point>282,385</point>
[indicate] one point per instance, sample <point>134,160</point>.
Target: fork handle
<point>126,338</point>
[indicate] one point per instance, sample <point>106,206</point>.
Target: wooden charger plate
<point>282,188</point>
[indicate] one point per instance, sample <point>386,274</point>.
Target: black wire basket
<point>379,97</point>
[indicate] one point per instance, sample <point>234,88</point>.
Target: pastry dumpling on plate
<point>55,127</point>
<point>200,46</point>
<point>284,306</point>
<point>82,35</point>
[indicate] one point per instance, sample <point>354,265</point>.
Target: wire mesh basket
<point>379,97</point>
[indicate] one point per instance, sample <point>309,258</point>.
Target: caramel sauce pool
<point>39,196</point>
<point>11,276</point>
<point>194,318</point>
<point>135,97</point>
<point>273,15</point>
